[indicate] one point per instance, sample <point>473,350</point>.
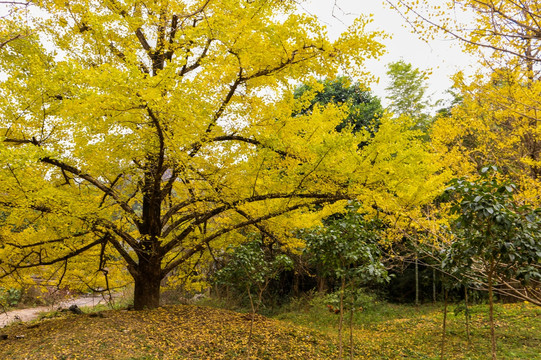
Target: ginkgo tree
<point>502,98</point>
<point>137,136</point>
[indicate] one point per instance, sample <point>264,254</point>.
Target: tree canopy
<point>143,135</point>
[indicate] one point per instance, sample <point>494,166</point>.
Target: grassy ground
<point>304,332</point>
<point>388,331</point>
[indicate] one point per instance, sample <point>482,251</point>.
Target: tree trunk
<point>491,311</point>
<point>416,281</point>
<point>434,285</point>
<point>444,330</point>
<point>147,285</point>
<point>296,286</point>
<point>351,332</point>
<point>321,285</point>
<point>341,321</point>
<point>252,318</point>
<point>467,314</point>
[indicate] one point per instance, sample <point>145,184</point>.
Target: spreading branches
<point>22,264</point>
<point>109,191</point>
<point>7,41</point>
<point>255,142</point>
<point>224,207</point>
<point>46,242</point>
<point>187,68</point>
<point>501,28</point>
<point>255,220</point>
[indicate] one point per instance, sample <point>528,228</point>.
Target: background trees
<point>406,92</point>
<point>346,249</point>
<point>364,109</point>
<point>501,99</point>
<point>496,120</point>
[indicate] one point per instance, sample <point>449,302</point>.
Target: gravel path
<point>32,313</point>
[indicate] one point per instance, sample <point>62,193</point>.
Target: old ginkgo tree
<point>138,135</point>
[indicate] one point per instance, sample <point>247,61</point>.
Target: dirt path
<point>32,313</point>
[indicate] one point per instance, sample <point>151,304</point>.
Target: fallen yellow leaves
<point>171,332</point>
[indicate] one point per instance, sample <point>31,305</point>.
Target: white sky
<point>443,57</point>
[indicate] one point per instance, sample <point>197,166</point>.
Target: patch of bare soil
<point>24,315</point>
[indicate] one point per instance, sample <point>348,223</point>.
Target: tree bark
<point>433,285</point>
<point>416,281</point>
<point>444,327</point>
<point>351,332</point>
<point>147,284</point>
<point>491,310</point>
<point>467,315</point>
<point>341,321</point>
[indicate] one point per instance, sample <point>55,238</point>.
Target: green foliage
<point>346,247</point>
<point>10,297</point>
<point>406,92</point>
<point>356,299</point>
<point>493,227</point>
<point>251,268</point>
<point>364,109</point>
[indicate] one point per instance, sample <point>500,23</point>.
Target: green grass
<point>386,331</point>
<point>304,330</point>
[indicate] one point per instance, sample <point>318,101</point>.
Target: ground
<point>199,332</point>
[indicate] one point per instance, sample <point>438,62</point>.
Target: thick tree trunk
<point>147,285</point>
<point>149,274</point>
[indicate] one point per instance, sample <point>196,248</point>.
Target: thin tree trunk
<point>248,352</point>
<point>341,323</point>
<point>296,286</point>
<point>491,311</point>
<point>444,325</point>
<point>467,314</point>
<point>433,285</point>
<point>321,285</point>
<point>351,332</point>
<point>416,281</point>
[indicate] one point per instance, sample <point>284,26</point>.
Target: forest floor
<point>200,332</point>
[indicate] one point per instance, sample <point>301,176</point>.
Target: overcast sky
<point>443,57</point>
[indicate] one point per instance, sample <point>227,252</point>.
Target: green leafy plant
<point>251,269</point>
<point>346,249</point>
<point>497,237</point>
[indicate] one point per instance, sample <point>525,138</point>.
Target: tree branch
<point>62,258</point>
<point>208,239</point>
<point>44,242</point>
<point>109,191</point>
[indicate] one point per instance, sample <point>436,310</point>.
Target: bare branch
<point>254,142</point>
<point>109,191</point>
